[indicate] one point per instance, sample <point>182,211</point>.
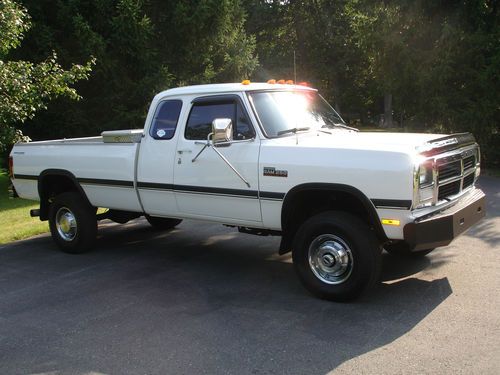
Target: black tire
<point>342,229</point>
<point>402,249</point>
<point>162,223</point>
<point>80,237</point>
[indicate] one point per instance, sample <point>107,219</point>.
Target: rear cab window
<point>165,119</point>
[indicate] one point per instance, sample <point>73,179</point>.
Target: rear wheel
<point>162,223</point>
<point>336,256</point>
<point>402,249</point>
<point>72,222</point>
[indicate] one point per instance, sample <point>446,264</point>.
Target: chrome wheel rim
<point>66,224</point>
<point>330,259</point>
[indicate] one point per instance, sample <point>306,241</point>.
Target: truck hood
<point>408,143</point>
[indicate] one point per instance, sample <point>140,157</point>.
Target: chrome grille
<point>449,170</point>
<point>468,180</point>
<point>469,162</point>
<point>455,172</point>
<point>449,189</point>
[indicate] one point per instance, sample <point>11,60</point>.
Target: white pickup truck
<point>269,159</point>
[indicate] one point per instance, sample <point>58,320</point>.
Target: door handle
<point>180,152</point>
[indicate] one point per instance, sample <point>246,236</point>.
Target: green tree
<point>391,36</point>
<point>127,73</point>
<point>204,41</point>
<point>317,37</point>
<point>459,82</point>
<point>142,47</point>
<point>435,62</point>
<point>26,87</point>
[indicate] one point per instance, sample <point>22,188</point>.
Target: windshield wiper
<point>293,130</point>
<point>338,125</point>
<point>324,131</point>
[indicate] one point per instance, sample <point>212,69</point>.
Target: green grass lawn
<point>15,220</point>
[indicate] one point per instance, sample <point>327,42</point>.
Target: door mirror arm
<point>221,130</point>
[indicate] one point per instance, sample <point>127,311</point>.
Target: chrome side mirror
<point>222,133</point>
<point>222,130</point>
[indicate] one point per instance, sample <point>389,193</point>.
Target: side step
<point>35,212</point>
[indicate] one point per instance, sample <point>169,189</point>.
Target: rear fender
<point>55,181</point>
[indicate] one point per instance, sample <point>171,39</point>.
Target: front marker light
<point>394,222</point>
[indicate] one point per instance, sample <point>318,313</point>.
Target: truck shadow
<point>240,288</point>
<point>486,230</point>
<point>197,289</point>
<point>198,299</point>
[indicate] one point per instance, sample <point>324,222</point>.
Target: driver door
<point>208,187</point>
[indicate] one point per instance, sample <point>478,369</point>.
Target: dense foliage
<point>418,64</point>
<point>25,87</point>
<point>425,65</point>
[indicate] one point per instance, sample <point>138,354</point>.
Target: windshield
<point>286,112</point>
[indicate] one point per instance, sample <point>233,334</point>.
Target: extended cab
<point>269,159</point>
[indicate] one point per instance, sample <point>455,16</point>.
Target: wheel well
<point>55,182</point>
<point>304,202</point>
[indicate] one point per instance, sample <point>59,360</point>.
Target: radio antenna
<point>294,69</point>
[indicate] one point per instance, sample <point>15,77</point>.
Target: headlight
<point>425,176</point>
<point>424,183</point>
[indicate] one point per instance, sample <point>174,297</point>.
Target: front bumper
<point>440,229</point>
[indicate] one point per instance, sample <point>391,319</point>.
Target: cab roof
<point>229,87</point>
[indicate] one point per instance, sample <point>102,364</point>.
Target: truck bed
<point>104,166</point>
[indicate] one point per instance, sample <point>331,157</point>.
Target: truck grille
<point>456,172</point>
<point>469,162</point>
<point>453,169</point>
<point>468,180</point>
<point>448,190</point>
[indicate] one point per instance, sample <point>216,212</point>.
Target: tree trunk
<point>388,110</point>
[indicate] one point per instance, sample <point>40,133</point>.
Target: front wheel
<point>72,222</point>
<point>336,256</point>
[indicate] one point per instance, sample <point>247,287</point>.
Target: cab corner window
<point>243,129</point>
<point>165,119</point>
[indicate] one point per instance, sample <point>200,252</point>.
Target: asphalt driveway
<point>204,299</point>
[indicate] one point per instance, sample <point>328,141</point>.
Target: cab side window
<point>199,123</point>
<point>165,119</point>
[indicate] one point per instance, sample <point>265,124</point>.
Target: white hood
<point>342,139</point>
